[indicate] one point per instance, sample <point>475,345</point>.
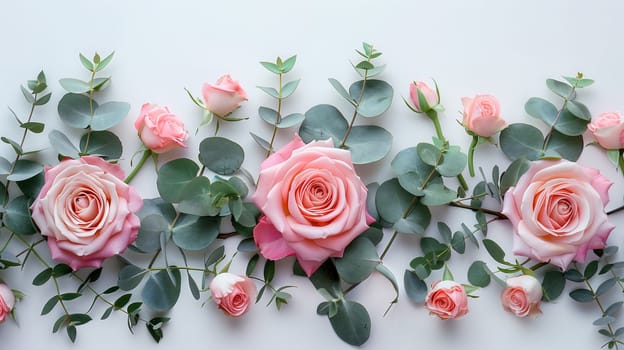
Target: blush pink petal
<point>270,241</point>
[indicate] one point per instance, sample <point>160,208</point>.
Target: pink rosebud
<point>223,97</point>
<point>447,300</point>
<point>431,96</point>
<point>608,130</point>
<point>557,209</point>
<point>482,115</point>
<point>7,301</point>
<point>232,293</point>
<point>159,129</point>
<point>522,296</point>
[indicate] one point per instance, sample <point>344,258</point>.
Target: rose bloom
<point>522,296</point>
<point>431,95</point>
<point>223,97</point>
<point>159,129</point>
<point>7,301</point>
<point>447,300</point>
<point>557,211</point>
<point>232,293</point>
<point>86,211</point>
<point>608,130</point>
<point>314,203</point>
<point>482,115</point>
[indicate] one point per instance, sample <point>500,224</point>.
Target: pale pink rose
<point>482,115</point>
<point>232,293</point>
<point>7,301</point>
<point>431,95</point>
<point>447,300</point>
<point>314,204</point>
<point>86,211</point>
<point>557,211</point>
<point>223,97</point>
<point>159,129</point>
<point>522,296</point>
<point>608,130</point>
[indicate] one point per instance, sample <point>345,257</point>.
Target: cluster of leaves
<point>274,116</point>
<point>369,98</point>
<point>567,125</point>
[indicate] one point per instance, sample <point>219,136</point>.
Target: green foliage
<point>17,216</point>
<point>103,144</point>
<point>552,285</point>
<point>351,322</point>
<point>162,289</point>
<point>415,287</point>
<point>479,274</point>
<point>221,155</point>
<point>359,261</point>
<point>375,98</point>
<point>62,145</point>
<point>521,141</point>
<point>195,233</point>
<point>174,176</point>
<point>401,209</point>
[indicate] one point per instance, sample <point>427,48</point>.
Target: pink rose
<point>482,115</point>
<point>431,96</point>
<point>522,296</point>
<point>557,210</point>
<point>447,300</point>
<point>86,211</point>
<point>223,97</point>
<point>232,293</point>
<point>608,130</point>
<point>7,301</point>
<point>159,129</point>
<point>314,203</point>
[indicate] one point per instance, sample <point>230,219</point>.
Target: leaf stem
<point>146,154</point>
<point>407,212</point>
<point>498,214</point>
<point>355,112</point>
<point>552,127</point>
<point>279,116</point>
<point>433,115</point>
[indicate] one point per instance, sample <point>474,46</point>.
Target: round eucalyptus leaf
<point>25,169</point>
<point>130,276</point>
<point>429,153</point>
<point>568,147</point>
<point>370,200</point>
<point>413,174</point>
<point>479,274</point>
<point>322,122</point>
<point>173,176</point>
<point>17,216</point>
<point>368,143</point>
<point>32,186</point>
<point>358,261</point>
<point>351,322</point>
<point>399,207</point>
<point>541,109</point>
<point>289,88</point>
<point>375,100</point>
<point>5,166</point>
<point>104,144</point>
<point>437,194</point>
<point>109,114</point>
<point>579,110</point>
<point>415,288</point>
<point>267,114</point>
<point>75,110</point>
<point>196,199</point>
<point>62,145</point>
<point>563,121</point>
<point>160,293</point>
<point>560,88</point>
<point>152,227</point>
<point>157,206</point>
<point>221,155</point>
<point>521,140</point>
<point>511,176</point>
<point>195,232</point>
<point>453,162</point>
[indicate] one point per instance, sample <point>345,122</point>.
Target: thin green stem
<point>433,115</point>
<point>407,212</point>
<point>355,112</point>
<point>471,149</point>
<point>552,127</point>
<point>613,211</point>
<point>6,244</point>
<point>146,154</point>
<point>498,214</point>
<point>91,111</point>
<point>279,116</point>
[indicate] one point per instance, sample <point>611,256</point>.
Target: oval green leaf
<point>351,322</point>
<point>323,122</point>
<point>75,110</point>
<point>521,140</point>
<point>401,208</point>
<point>221,155</point>
<point>173,176</point>
<point>160,293</point>
<point>17,216</point>
<point>368,143</point>
<point>195,233</point>
<point>376,98</point>
<point>109,114</point>
<point>104,144</point>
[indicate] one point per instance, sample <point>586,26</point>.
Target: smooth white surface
<point>503,48</point>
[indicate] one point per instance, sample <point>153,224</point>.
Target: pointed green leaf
<point>160,293</point>
<point>17,216</point>
<point>351,322</point>
<point>62,145</point>
<point>341,90</point>
<point>289,88</point>
<point>75,86</point>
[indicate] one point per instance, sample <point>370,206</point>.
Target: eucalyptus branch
<point>498,214</point>
<point>279,114</point>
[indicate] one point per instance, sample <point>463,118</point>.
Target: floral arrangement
<point>308,202</point>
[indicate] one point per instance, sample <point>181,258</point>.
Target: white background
<point>504,48</point>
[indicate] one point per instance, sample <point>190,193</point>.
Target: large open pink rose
<point>313,202</point>
<point>557,210</point>
<point>86,211</point>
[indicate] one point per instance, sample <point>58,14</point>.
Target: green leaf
<point>271,67</point>
<point>376,98</point>
<point>458,243</point>
<point>33,127</point>
<point>387,273</point>
<point>27,95</point>
<point>62,145</point>
<point>173,176</point>
<point>568,147</point>
<point>269,271</point>
<point>415,287</point>
<point>25,169</point>
<point>358,262</point>
<point>560,88</point>
<point>152,227</point>
<point>605,286</point>
<point>71,333</point>
<point>99,83</point>
<point>562,121</point>
<point>573,275</point>
<point>17,216</point>
<point>193,286</point>
<point>75,86</point>
<point>552,285</point>
<point>104,144</point>
<point>590,269</point>
<point>582,295</point>
<point>42,277</point>
<point>270,91</point>
<point>159,207</point>
<point>322,122</point>
<point>104,62</point>
<point>479,274</point>
<point>413,174</point>
<point>251,265</point>
<point>215,256</point>
<point>160,293</point>
<point>288,64</point>
<point>86,62</point>
<point>541,109</point>
<point>75,110</point>
<point>368,143</point>
<point>445,231</point>
<point>513,173</point>
<point>364,65</point>
<point>453,162</point>
<point>43,100</point>
<point>351,322</point>
<point>495,251</point>
<point>61,270</point>
<point>109,114</point>
<point>16,147</point>
<point>5,166</point>
<point>196,198</point>
<point>521,141</point>
<point>579,110</point>
<point>49,305</point>
<point>221,155</point>
<point>326,277</point>
<point>429,153</point>
<point>195,233</point>
<point>261,142</point>
<point>291,120</point>
<point>32,186</point>
<point>341,90</point>
<point>401,208</point>
<point>267,114</point>
<point>289,88</point>
<point>122,301</point>
<point>130,276</point>
<point>437,194</point>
